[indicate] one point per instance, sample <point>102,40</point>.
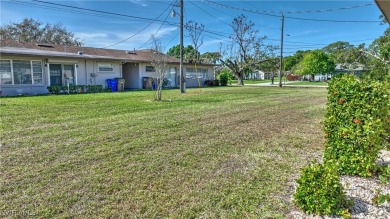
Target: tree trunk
<point>240,79</point>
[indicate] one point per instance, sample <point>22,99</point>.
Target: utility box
<point>121,84</point>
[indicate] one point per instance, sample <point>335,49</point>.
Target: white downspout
<point>75,74</point>
<point>48,74</point>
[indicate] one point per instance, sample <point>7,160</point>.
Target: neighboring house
<point>259,75</point>
<point>345,68</point>
<point>29,68</point>
<point>339,69</point>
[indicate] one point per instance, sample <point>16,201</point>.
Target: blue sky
<point>102,30</point>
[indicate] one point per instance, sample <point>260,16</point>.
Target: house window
<point>5,72</point>
<point>149,69</point>
<point>21,72</point>
<point>105,67</point>
<point>197,73</point>
<point>37,72</point>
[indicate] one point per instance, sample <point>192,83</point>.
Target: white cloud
<point>306,32</point>
<point>139,2</point>
<point>100,39</point>
<point>90,36</point>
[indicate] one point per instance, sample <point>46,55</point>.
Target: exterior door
<point>69,74</point>
<point>55,74</point>
<point>61,74</point>
<point>171,76</point>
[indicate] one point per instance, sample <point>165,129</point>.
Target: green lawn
<point>314,83</point>
<point>228,152</point>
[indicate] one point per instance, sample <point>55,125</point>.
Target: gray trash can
<point>121,84</point>
<point>147,83</point>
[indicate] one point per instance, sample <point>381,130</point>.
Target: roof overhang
<point>54,54</point>
<point>43,53</point>
<point>384,6</point>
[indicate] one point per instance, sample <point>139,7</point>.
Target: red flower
<point>341,101</point>
<point>334,92</point>
<point>357,121</point>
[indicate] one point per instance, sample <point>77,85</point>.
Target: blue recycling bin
<point>112,84</point>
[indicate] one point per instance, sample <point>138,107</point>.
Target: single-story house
<point>29,68</point>
<point>260,75</point>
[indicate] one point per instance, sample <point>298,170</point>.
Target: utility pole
<point>182,78</point>
<point>281,53</point>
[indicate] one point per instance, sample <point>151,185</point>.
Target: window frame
<point>105,65</point>
<point>12,70</point>
<point>31,71</point>
<point>201,73</point>
<point>150,68</point>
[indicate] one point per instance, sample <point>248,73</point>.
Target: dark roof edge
<point>380,8</point>
<point>44,53</point>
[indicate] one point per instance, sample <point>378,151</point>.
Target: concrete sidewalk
<point>285,84</point>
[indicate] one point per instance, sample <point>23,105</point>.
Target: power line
<point>235,8</point>
<point>31,4</point>
<point>228,23</point>
<point>333,21</point>
<point>69,8</point>
<point>142,30</point>
<point>170,41</point>
<point>166,17</point>
<point>210,14</point>
<point>312,10</point>
<point>295,18</point>
<point>105,12</point>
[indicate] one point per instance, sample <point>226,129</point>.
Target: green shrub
<point>384,174</point>
<point>54,89</point>
<point>75,89</point>
<point>211,83</point>
<point>320,192</point>
<point>355,123</point>
<point>225,76</point>
<point>80,89</point>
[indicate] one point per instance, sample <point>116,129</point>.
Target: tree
<point>159,61</point>
<point>337,47</point>
<point>290,61</point>
<point>315,62</point>
<point>346,54</point>
<point>271,63</point>
<point>379,54</point>
<point>244,52</point>
<point>195,32</point>
<point>189,53</point>
<point>210,57</point>
<point>30,30</point>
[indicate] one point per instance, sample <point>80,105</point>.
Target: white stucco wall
<point>83,70</point>
<point>190,82</point>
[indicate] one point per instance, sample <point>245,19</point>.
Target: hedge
<point>356,123</point>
